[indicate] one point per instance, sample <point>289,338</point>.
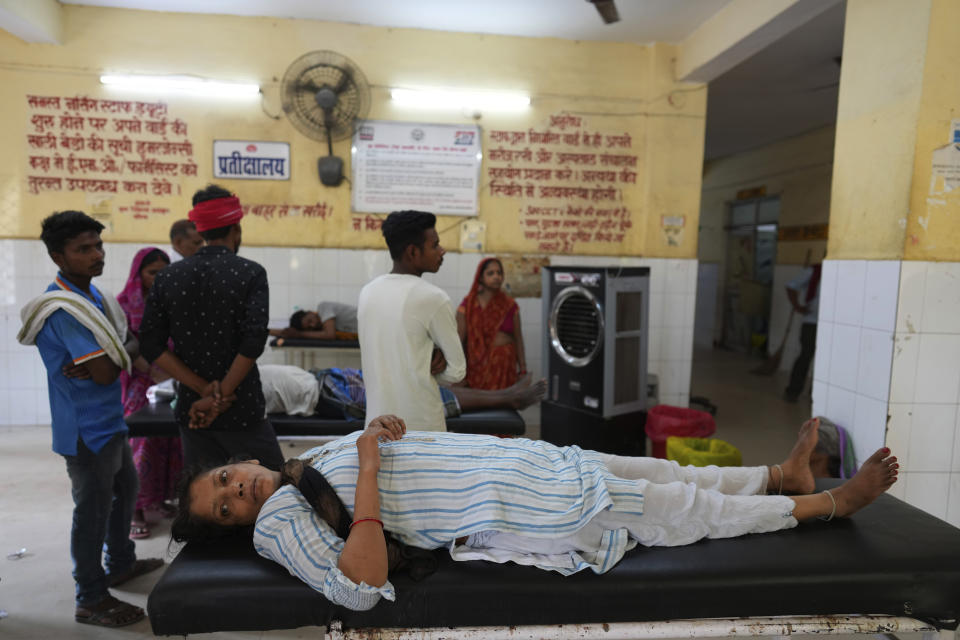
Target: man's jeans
<point>104,486</point>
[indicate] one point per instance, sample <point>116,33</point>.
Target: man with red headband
<point>214,307</point>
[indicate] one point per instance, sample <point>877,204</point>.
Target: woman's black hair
<point>153,256</point>
<point>404,228</point>
<point>58,228</point>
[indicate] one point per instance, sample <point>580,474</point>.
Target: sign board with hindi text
<point>405,165</point>
<point>251,160</point>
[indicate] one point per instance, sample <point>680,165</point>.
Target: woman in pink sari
<point>158,460</point>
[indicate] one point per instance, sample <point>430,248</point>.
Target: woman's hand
<point>392,427</point>
<point>382,428</point>
<point>141,365</point>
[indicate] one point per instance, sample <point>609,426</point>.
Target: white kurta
<point>400,319</point>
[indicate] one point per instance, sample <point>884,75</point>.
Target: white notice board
<point>406,165</point>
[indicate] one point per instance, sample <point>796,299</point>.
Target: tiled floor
<point>37,592</point>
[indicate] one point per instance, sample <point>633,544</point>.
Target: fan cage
<point>305,76</point>
<point>576,326</point>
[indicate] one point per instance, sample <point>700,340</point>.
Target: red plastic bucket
<point>664,421</point>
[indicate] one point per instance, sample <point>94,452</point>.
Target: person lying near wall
<point>331,321</point>
<point>834,455</point>
<point>340,393</point>
<point>345,515</point>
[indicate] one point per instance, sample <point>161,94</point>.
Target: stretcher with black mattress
<point>157,420</point>
<point>889,568</point>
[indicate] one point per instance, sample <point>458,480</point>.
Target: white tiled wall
<point>924,424</point>
<point>851,369</point>
<point>300,278</point>
<point>888,367</point>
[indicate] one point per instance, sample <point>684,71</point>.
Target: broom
<point>772,363</point>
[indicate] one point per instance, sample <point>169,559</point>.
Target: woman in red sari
<point>158,460</point>
<point>488,321</point>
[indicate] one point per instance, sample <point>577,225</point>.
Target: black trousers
<point>801,366</point>
<point>210,448</point>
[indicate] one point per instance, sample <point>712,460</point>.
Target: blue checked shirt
<point>437,487</point>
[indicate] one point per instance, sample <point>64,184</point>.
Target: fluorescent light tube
<point>181,84</point>
<point>450,99</point>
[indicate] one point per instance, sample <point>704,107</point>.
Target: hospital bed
<point>890,568</point>
<point>158,420</point>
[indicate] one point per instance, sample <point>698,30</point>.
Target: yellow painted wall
<point>798,170</point>
<point>885,42</point>
<point>933,227</point>
<point>615,87</point>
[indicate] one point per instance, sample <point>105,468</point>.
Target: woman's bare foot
<point>797,476</point>
<point>523,394</point>
<point>875,476</point>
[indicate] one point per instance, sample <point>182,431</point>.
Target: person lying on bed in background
<point>384,492</point>
<point>331,321</point>
<point>340,393</point>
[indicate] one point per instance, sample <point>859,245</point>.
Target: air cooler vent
<point>576,326</point>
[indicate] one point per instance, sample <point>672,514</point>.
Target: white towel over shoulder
<point>109,330</point>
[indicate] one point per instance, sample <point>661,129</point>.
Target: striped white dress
<point>437,487</point>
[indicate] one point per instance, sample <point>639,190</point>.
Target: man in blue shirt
<point>88,429</point>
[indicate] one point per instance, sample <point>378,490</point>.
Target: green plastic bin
<point>702,452</point>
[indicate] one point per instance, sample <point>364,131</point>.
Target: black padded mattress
<point>157,420</point>
<point>890,559</point>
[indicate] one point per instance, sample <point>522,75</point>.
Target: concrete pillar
<point>887,364</point>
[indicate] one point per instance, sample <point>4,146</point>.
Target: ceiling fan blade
<point>607,10</point>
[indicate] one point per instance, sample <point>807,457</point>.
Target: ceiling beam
<point>738,31</point>
<point>33,20</point>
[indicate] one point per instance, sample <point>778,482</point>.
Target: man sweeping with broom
<point>806,288</point>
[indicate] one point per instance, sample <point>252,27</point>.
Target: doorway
<point>750,257</point>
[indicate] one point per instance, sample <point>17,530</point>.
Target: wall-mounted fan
<point>323,93</point>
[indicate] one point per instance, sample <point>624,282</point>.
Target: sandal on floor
<point>109,612</point>
<point>139,529</point>
<point>139,568</point>
<point>167,510</point>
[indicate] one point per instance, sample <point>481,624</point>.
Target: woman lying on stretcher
<point>379,497</point>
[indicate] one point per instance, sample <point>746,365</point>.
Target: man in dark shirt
<point>214,306</point>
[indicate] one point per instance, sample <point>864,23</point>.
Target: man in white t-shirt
<point>402,320</point>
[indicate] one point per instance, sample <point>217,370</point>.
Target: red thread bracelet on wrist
<point>379,522</point>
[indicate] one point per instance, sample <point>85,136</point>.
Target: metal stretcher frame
<point>889,568</point>
<point>691,628</point>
